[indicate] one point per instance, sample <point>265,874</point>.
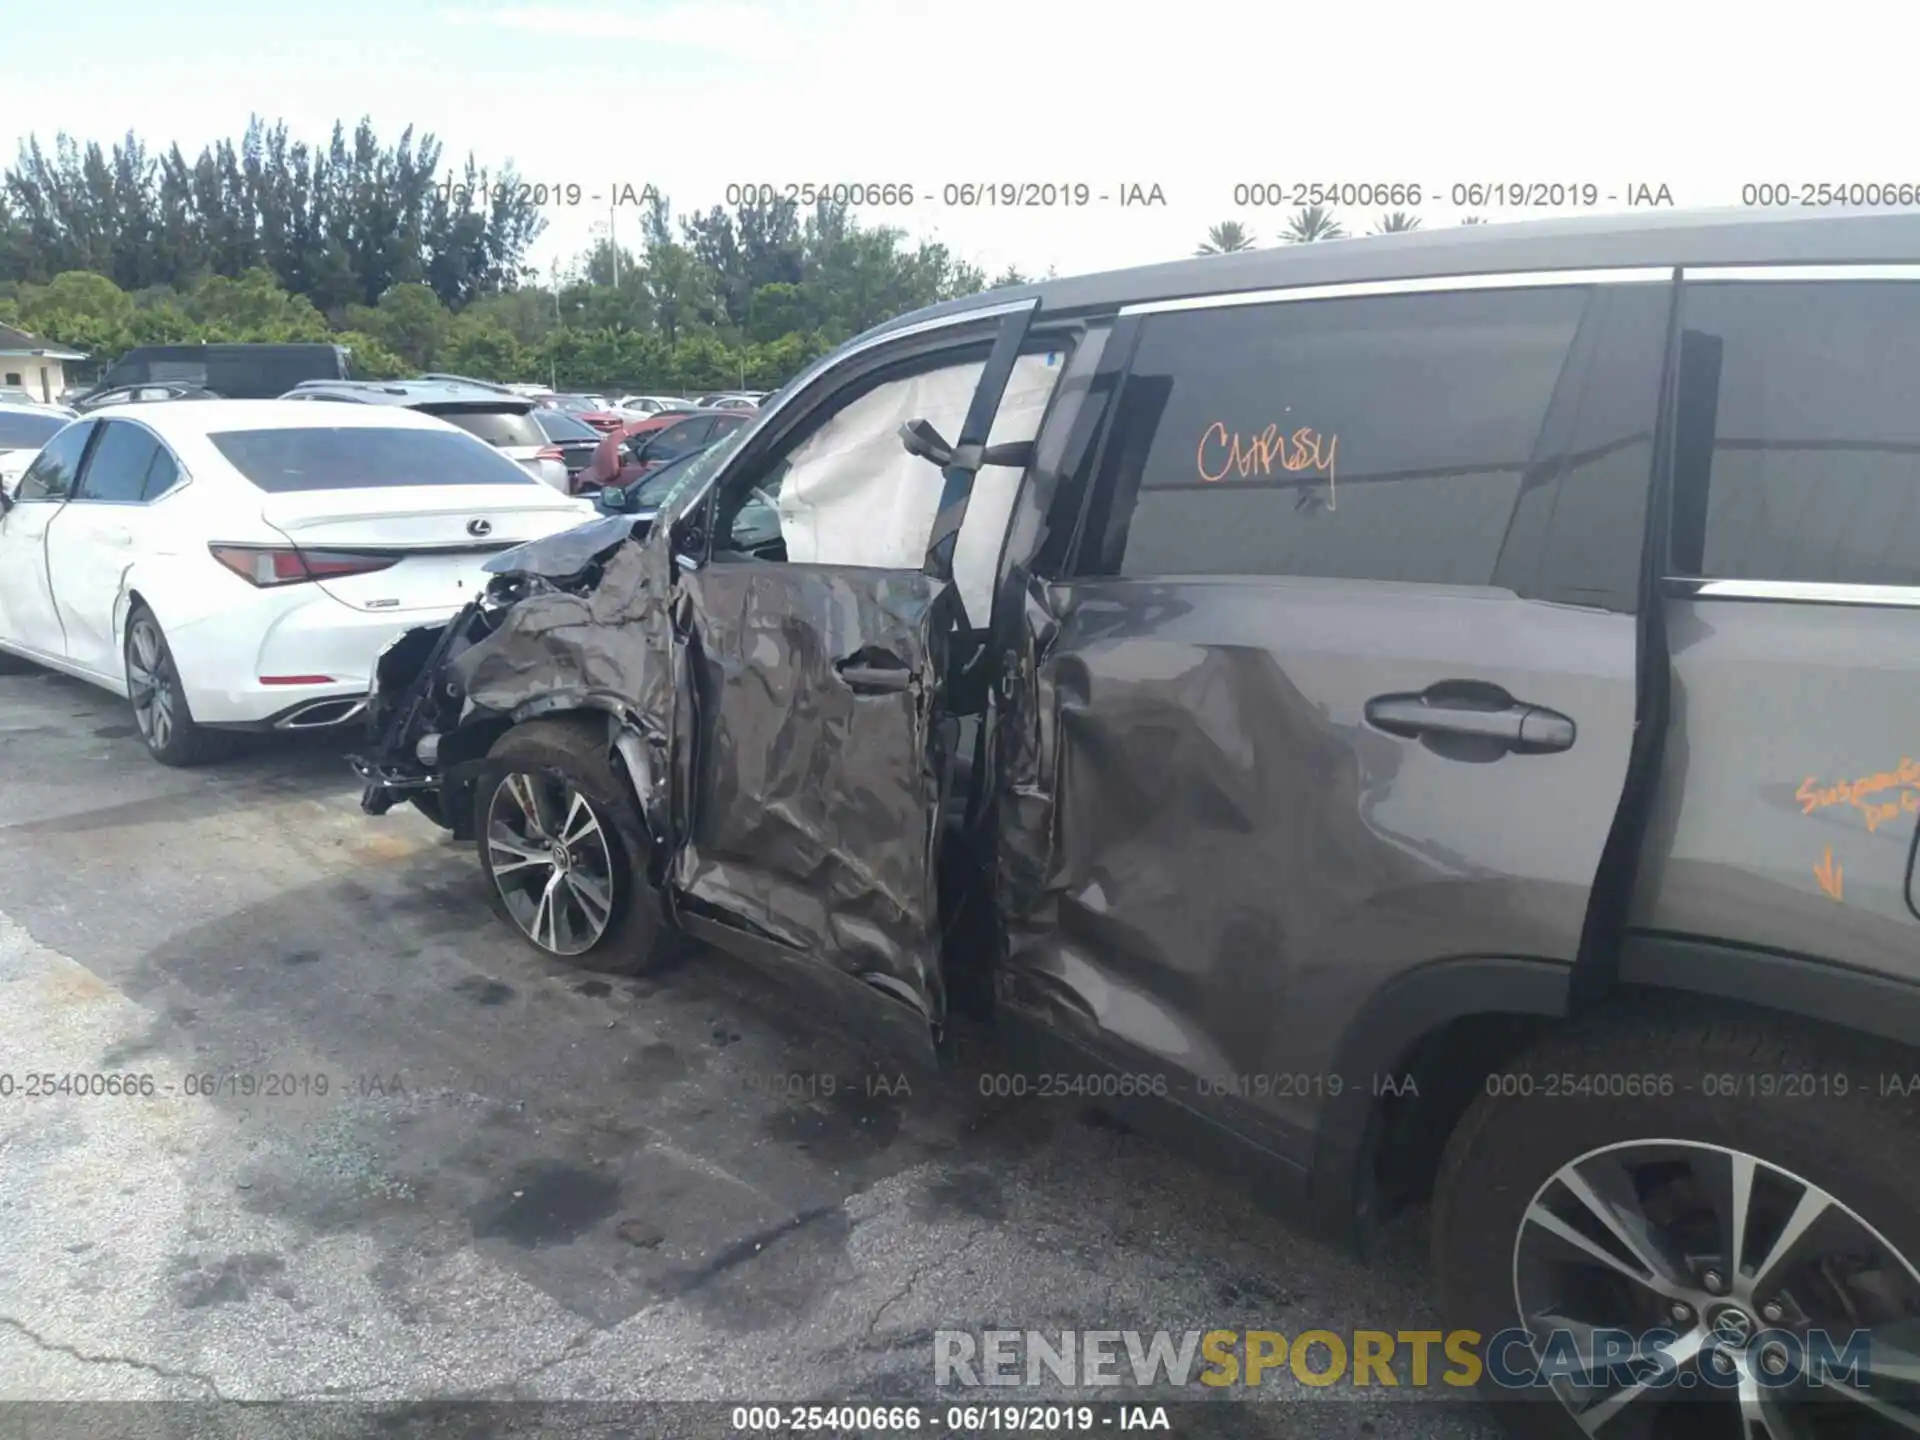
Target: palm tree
<point>1225,238</point>
<point>1474,220</point>
<point>1396,221</point>
<point>1314,222</point>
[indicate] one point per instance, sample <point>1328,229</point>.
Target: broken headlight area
<point>417,702</point>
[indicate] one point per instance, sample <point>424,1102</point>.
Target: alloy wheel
<point>150,683</point>
<point>547,851</point>
<point>1655,1277</point>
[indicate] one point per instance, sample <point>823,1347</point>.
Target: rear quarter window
<point>279,461</point>
<point>1797,455</point>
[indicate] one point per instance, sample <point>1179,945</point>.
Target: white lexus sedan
<point>241,564</point>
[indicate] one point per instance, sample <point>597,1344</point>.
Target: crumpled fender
<point>589,648</point>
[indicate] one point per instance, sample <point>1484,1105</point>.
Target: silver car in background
<point>504,420</point>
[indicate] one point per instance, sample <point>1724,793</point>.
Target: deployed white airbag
<point>852,495</point>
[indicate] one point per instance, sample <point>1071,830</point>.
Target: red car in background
<point>587,408</point>
<point>637,446</point>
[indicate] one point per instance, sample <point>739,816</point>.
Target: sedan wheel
<point>159,701</point>
<point>547,851</point>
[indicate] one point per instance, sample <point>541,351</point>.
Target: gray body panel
<point>1237,860</point>
<point>1791,741</point>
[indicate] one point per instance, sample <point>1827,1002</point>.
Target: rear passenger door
<point>1339,676</point>
<point>1790,788</point>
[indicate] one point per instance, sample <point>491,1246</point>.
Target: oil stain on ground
<point>483,992</point>
<point>546,1202</point>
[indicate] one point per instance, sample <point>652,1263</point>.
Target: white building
<point>35,366</point>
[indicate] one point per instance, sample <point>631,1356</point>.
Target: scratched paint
<point>1879,797</point>
<point>1223,452</point>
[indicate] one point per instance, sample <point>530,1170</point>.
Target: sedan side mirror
<point>6,498</point>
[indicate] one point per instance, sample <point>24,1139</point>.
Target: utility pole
<point>553,366</point>
<point>613,242</point>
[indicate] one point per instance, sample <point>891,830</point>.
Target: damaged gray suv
<point>1429,717</point>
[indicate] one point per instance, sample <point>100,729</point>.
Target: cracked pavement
<point>522,1181</point>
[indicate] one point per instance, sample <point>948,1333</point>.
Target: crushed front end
<point>435,705</point>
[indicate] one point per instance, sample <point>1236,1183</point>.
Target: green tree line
<point>417,266</point>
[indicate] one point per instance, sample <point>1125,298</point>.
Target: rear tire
<point>1772,1111</point>
<point>564,850</point>
<point>160,709</point>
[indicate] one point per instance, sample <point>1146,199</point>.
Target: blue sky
<point>1193,97</point>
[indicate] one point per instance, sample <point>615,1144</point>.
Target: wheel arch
<point>1433,1024</point>
<point>1450,1024</point>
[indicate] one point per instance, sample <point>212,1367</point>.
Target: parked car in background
<point>631,451</point>
<point>654,404</point>
<point>504,421</point>
<point>732,400</point>
<point>240,564</point>
<point>589,408</point>
<point>142,395</point>
<point>1428,720</point>
<point>571,436</point>
<point>642,500</point>
<point>241,372</point>
<point>23,430</point>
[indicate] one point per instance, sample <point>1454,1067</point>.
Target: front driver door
<point>28,618</point>
<point>816,677</point>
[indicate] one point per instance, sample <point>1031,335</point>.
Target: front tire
<point>564,850</point>
<point>160,709</point>
<point>1741,1185</point>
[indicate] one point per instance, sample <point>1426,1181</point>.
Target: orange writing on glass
<point>1225,452</point>
<point>1828,875</point>
<point>1869,794</point>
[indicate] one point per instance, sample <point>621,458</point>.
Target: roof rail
<point>465,380</point>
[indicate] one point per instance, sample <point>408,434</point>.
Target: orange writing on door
<point>1225,452</point>
<point>1829,875</point>
<point>1879,798</point>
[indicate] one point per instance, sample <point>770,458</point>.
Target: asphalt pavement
<point>391,1153</point>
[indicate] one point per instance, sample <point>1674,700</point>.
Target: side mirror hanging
<point>922,440</point>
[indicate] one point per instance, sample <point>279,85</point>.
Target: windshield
<point>561,426</point>
<point>28,432</point>
<point>498,425</point>
<point>363,457</point>
<point>691,473</point>
<point>648,494</point>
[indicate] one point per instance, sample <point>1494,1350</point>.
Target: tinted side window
<point>1798,448</point>
<point>117,470</point>
<point>1376,438</point>
<point>162,475</point>
<point>677,440</point>
<point>50,476</point>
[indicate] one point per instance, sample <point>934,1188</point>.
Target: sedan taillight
<point>552,452</point>
<point>267,567</point>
